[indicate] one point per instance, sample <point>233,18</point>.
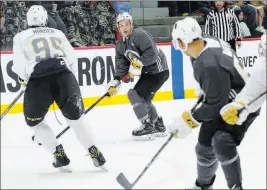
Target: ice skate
<point>203,187</point>
<point>237,187</point>
<point>160,129</point>
<point>98,158</point>
<point>61,160</point>
<point>145,132</point>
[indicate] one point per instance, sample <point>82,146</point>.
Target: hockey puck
<point>34,141</point>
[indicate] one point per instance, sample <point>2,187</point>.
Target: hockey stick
<point>124,182</point>
<point>88,109</point>
<point>252,101</point>
<point>12,104</point>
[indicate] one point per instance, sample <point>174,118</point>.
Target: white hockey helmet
<point>37,16</point>
<point>262,46</point>
<point>124,16</point>
<point>186,30</point>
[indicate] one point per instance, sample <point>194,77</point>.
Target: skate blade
<point>160,134</point>
<point>144,138</point>
<point>65,169</point>
<point>104,168</point>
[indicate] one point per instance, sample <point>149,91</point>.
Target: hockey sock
<point>224,147</point>
<point>45,136</point>
<point>152,112</point>
<point>232,172</point>
<point>139,105</point>
<point>207,164</point>
<point>82,131</point>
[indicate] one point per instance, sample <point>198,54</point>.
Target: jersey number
<point>44,45</point>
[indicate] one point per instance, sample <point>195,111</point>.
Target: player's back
<point>219,53</point>
<point>41,43</point>
<point>228,59</point>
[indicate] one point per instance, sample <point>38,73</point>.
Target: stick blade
<point>122,180</point>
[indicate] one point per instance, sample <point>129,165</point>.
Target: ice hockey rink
<point>24,164</point>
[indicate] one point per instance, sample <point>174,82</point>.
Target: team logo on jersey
<point>130,54</point>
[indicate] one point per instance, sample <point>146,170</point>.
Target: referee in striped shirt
<point>223,24</point>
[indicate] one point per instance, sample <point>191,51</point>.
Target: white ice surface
<point>26,165</point>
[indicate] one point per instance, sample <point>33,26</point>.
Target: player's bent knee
<point>133,96</point>
<point>33,121</point>
<point>73,109</point>
<point>205,156</point>
<point>222,139</point>
<point>131,93</point>
<point>200,150</point>
<point>73,114</point>
<point>224,145</point>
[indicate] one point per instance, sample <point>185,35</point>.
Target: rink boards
<point>96,68</point>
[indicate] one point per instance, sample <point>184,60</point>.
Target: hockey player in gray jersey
<point>220,76</point>
<point>137,54</point>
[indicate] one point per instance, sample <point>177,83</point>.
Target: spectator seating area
<point>251,16</point>
<point>86,23</point>
<point>93,23</point>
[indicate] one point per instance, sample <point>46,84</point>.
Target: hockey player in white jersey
<point>254,87</point>
<point>46,64</point>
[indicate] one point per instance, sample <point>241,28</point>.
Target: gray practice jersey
<point>218,73</point>
<point>140,42</point>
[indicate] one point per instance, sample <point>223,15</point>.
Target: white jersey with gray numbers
<point>255,85</point>
<point>38,44</point>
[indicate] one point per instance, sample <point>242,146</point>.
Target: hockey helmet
<point>37,16</point>
<point>186,30</point>
<point>124,16</point>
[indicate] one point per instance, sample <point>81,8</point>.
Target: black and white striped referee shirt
<point>223,25</point>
